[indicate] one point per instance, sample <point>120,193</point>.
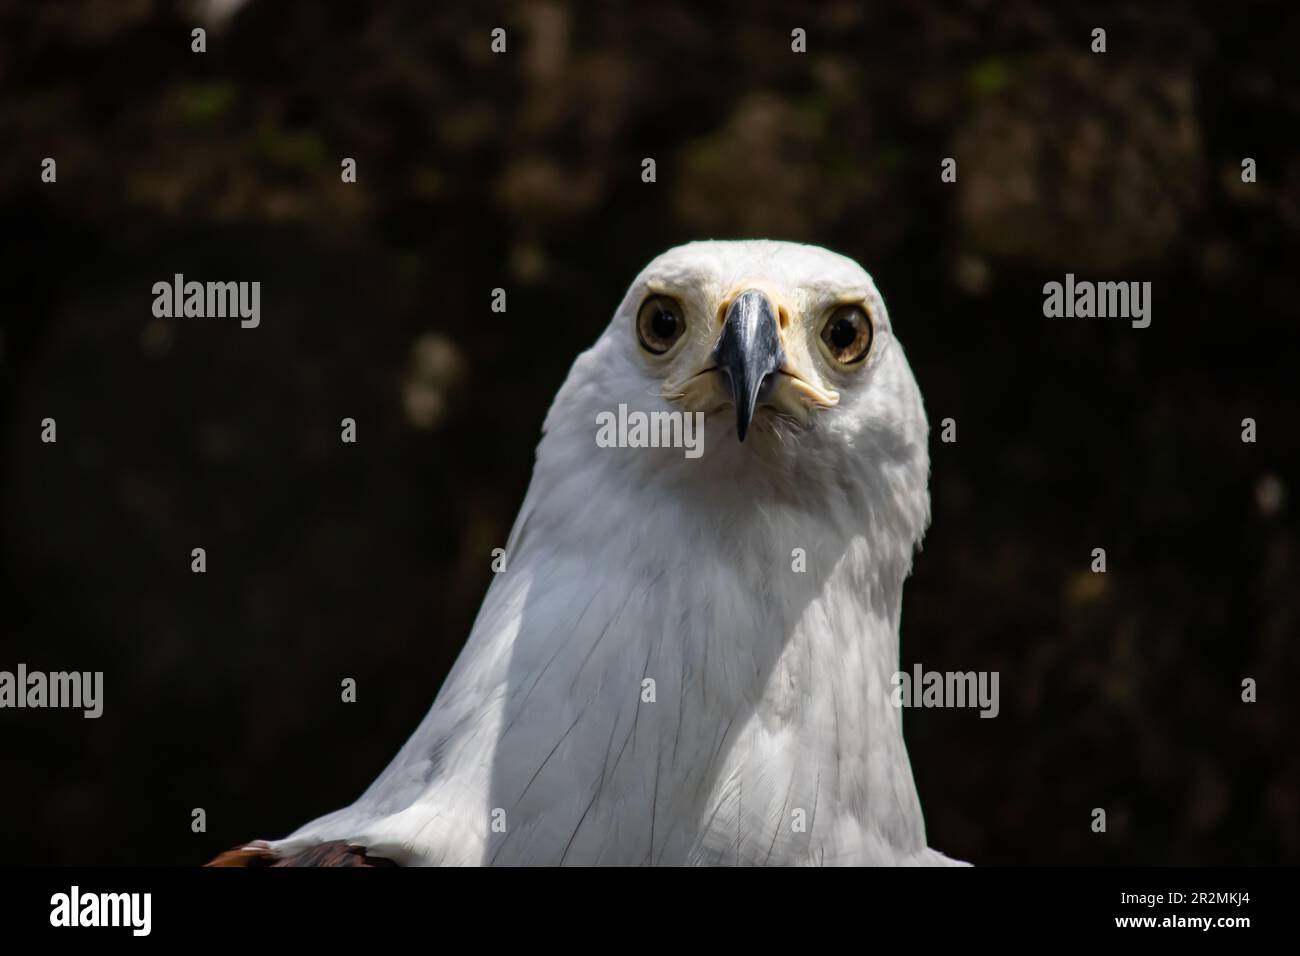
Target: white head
<point>789,353</point>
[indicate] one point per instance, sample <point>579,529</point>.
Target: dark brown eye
<point>659,323</point>
<point>847,334</point>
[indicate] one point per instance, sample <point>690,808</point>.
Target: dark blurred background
<point>522,171</point>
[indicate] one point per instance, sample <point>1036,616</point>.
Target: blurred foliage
<point>523,171</point>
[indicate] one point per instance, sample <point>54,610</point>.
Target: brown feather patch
<point>244,856</point>
<point>334,853</point>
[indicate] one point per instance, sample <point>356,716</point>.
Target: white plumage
<point>771,738</point>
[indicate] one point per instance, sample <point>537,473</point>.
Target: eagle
<point>686,659</point>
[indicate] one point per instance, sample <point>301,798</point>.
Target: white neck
<point>770,737</point>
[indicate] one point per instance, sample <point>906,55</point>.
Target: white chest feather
<point>660,683</point>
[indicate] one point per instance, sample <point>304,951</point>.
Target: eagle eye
<point>660,322</point>
<point>848,333</point>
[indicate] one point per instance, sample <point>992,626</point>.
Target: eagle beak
<point>749,353</point>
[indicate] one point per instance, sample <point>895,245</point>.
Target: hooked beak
<point>749,354</point>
